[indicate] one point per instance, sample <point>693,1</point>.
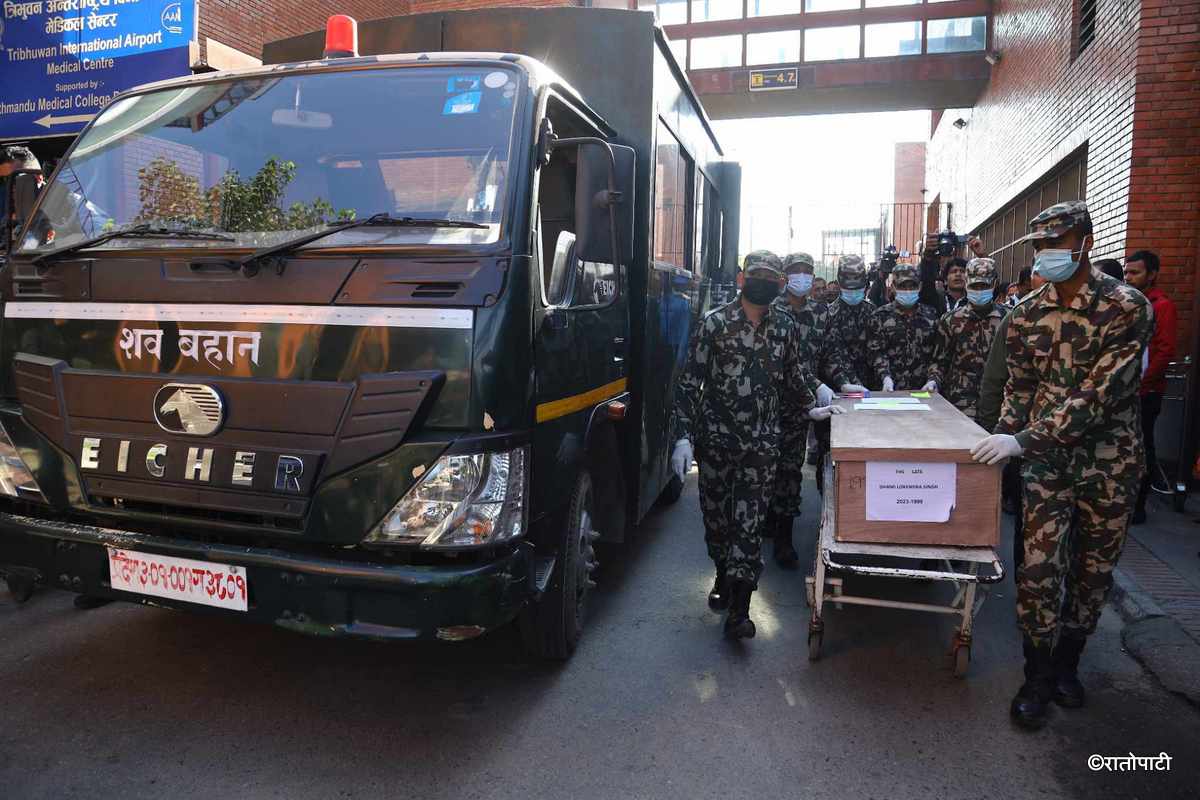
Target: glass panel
<point>708,10</point>
<point>669,12</point>
<point>831,5</point>
<point>831,44</point>
<point>671,169</point>
<point>771,8</point>
<point>777,47</point>
<point>679,48</point>
<point>712,52</point>
<point>893,39</point>
<point>957,35</point>
<point>882,3</point>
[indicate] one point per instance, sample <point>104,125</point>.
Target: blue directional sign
<point>62,61</point>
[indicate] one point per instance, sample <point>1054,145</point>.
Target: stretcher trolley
<point>903,499</point>
<point>960,566</point>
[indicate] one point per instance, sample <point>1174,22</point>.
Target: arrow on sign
<point>49,120</point>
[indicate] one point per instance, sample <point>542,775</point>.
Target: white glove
<point>822,413</point>
<point>996,448</point>
<point>853,388</point>
<point>930,386</point>
<point>824,395</point>
<point>681,458</point>
<point>889,385</point>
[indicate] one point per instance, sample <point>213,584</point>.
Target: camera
<point>948,242</point>
<point>887,260</point>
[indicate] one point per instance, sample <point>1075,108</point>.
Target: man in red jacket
<point>1141,272</point>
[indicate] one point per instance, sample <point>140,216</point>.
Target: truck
<point>376,343</point>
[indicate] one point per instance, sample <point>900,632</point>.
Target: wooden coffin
<point>906,439</point>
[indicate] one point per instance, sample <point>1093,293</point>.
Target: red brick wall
<point>1040,105</point>
<point>1164,205</point>
<point>246,24</point>
<point>424,6</point>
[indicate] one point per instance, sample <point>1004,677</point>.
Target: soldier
<point>811,318</point>
<point>1070,409</point>
<point>745,359</point>
<point>848,317</point>
<point>900,335</point>
<point>964,338</point>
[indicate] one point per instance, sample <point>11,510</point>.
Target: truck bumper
<point>304,593</point>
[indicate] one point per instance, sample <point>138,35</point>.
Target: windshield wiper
<point>276,252</point>
<point>143,231</point>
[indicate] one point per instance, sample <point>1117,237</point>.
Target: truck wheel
<point>672,491</point>
<point>552,626</point>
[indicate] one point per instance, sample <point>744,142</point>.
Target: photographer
<point>939,252</point>
<point>878,294</point>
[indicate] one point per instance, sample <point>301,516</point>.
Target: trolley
<point>960,566</point>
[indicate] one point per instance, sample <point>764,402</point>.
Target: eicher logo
<point>189,408</point>
<point>172,18</point>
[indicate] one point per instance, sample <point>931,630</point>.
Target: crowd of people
<point>1064,368</point>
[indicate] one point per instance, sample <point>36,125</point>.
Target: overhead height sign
<point>62,61</point>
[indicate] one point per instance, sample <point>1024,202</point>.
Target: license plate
<point>220,585</point>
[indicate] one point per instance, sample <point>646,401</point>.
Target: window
<point>883,3</point>
<point>713,52</point>
<point>831,44</point>
<point>671,169</point>
<point>668,12</point>
<point>1086,16</point>
<point>893,39</point>
<point>777,47</point>
<point>956,35</point>
<point>709,10</point>
<point>831,5</point>
<point>679,50</point>
<point>699,229</point>
<point>771,8</point>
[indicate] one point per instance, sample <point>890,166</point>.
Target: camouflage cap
<point>981,270</point>
<point>852,272</point>
<point>1057,220</point>
<point>798,258</point>
<point>905,272</point>
<point>762,259</point>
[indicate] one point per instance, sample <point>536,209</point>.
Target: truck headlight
<point>15,478</point>
<point>462,501</point>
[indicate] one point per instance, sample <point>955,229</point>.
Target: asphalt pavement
<point>135,702</point>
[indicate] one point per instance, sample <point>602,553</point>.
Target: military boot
<point>1032,702</point>
<point>1068,691</point>
<point>738,624</point>
<point>785,553</point>
<point>718,596</point>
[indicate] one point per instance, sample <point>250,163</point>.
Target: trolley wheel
<point>962,659</point>
<point>810,592</point>
<point>814,645</point>
<point>21,589</point>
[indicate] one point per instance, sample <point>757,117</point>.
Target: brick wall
<point>246,24</point>
<point>1164,209</point>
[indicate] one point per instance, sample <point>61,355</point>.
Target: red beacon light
<point>341,37</point>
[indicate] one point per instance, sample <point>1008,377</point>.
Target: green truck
<point>377,344</point>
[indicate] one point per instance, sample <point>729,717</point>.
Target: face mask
<point>907,297</point>
<point>760,291</point>
<point>853,297</point>
<point>1055,265</point>
<point>800,284</point>
<point>979,297</point>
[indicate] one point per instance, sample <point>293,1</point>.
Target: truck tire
<point>672,491</point>
<point>551,627</point>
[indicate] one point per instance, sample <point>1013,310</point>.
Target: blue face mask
<point>1055,265</point>
<point>980,297</point>
<point>853,297</point>
<point>907,297</point>
<point>800,284</point>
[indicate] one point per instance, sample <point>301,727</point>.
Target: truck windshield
<point>263,159</point>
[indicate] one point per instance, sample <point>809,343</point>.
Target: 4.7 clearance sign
<point>769,80</point>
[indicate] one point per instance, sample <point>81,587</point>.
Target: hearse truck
<point>376,345</point>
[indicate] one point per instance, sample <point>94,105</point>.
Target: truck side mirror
<point>604,191</point>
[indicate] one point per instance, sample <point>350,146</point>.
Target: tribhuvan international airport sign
<point>62,61</point>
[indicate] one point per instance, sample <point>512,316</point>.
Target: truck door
<point>581,329</point>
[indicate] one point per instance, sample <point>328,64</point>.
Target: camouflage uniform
<point>730,402</point>
<point>847,327</point>
<point>1072,403</point>
<point>820,355</point>
<point>963,341</point>
<point>900,340</point>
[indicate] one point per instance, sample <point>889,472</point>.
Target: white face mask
<point>800,284</point>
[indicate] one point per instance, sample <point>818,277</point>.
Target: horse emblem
<point>189,408</point>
